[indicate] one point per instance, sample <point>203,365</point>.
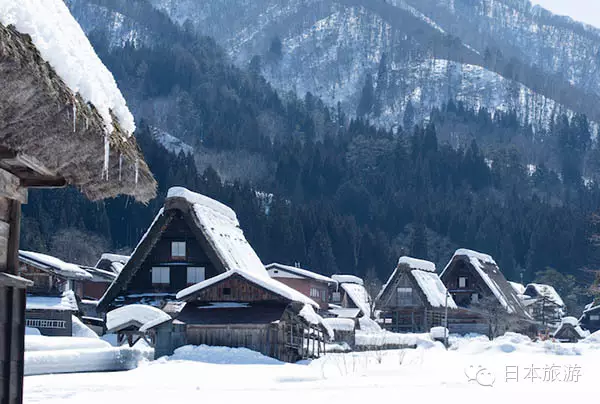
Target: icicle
<point>120,165</point>
<point>106,155</point>
<point>86,123</point>
<point>74,116</point>
<point>137,170</point>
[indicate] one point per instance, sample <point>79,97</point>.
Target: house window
<point>226,291</point>
<point>595,317</point>
<point>314,292</point>
<point>161,275</point>
<point>405,296</point>
<point>178,249</point>
<point>40,323</point>
<point>462,282</point>
<point>475,298</point>
<point>336,297</point>
<point>195,274</point>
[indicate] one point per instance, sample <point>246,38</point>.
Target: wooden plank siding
<point>236,289</point>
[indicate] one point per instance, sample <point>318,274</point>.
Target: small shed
<point>52,315</point>
<point>344,329</point>
<point>414,299</point>
<point>127,322</point>
<point>545,304</point>
<point>569,330</point>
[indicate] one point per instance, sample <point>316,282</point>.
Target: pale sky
<point>587,11</point>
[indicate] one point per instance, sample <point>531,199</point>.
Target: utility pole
<point>446,321</point>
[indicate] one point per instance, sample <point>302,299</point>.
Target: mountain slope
<point>498,54</point>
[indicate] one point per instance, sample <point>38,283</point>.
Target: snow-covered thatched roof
<point>486,268</point>
<point>63,119</point>
<point>537,290</point>
<point>423,276</point>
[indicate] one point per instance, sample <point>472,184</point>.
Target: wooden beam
<point>12,264</point>
<point>10,187</point>
<point>44,182</point>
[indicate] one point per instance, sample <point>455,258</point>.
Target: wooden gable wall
<point>475,284</point>
<point>237,289</point>
<point>160,256</point>
<point>402,280</point>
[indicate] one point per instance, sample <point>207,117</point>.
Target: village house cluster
<point>194,279</point>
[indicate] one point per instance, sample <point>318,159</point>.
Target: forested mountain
<point>312,183</point>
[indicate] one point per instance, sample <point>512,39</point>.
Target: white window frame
<point>178,249</point>
<point>195,275</point>
<point>161,275</point>
<point>462,282</point>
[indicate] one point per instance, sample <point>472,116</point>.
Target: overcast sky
<point>587,11</point>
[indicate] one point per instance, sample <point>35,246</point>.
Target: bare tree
<point>373,287</point>
<point>498,318</point>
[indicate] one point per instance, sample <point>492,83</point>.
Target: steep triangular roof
<point>214,225</point>
<point>486,268</point>
<point>424,279</point>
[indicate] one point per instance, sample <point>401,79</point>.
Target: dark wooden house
<point>487,303</point>
<point>590,319</point>
<point>311,284</point>
<point>414,299</point>
<point>240,309</point>
<point>49,137</point>
<point>569,330</point>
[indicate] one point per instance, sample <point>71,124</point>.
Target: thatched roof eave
<point>41,119</point>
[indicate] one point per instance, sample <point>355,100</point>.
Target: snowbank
<point>439,332</point>
<point>81,330</point>
<point>32,331</point>
<point>42,343</point>
<point>592,339</point>
<point>221,355</point>
<point>62,43</point>
<point>83,360</point>
<point>385,339</point>
<point>340,324</point>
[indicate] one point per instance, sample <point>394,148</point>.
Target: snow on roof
<point>223,231</point>
<point>344,312</point>
<point>417,264</point>
<point>114,258</point>
<point>547,291</point>
<point>66,302</point>
<point>262,281</point>
<point>299,271</point>
<point>347,279</point>
<point>58,266</point>
<point>308,313</point>
<point>433,288</point>
<point>153,323</point>
<point>340,324</point>
<point>136,314</point>
<point>572,322</point>
<point>518,287</point>
<point>478,260</point>
<point>62,43</point>
<point>358,294</point>
<point>199,199</point>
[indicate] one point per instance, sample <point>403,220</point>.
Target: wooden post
<point>12,264</point>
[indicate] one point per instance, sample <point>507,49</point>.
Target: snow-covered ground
<point>474,367</point>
